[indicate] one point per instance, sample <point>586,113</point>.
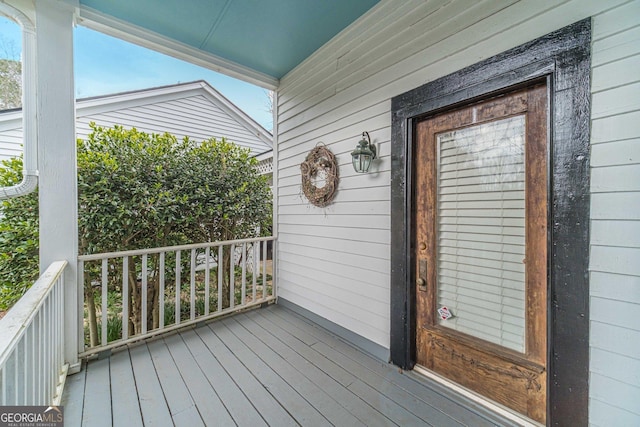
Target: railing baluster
<point>25,341</point>
<point>48,354</point>
<point>125,297</point>
<point>239,251</point>
<point>50,362</point>
<point>34,361</point>
<point>24,358</point>
<point>53,299</point>
<point>60,305</point>
<point>232,276</point>
<point>41,362</point>
<point>37,359</point>
<point>274,270</point>
<point>30,343</point>
<point>144,293</point>
<point>220,284</point>
<point>207,274</point>
<point>15,376</point>
<point>161,280</point>
<point>192,283</point>
<point>60,317</point>
<point>4,386</point>
<point>244,274</point>
<point>52,375</point>
<point>264,269</point>
<point>41,365</point>
<point>8,373</point>
<point>44,353</point>
<point>57,331</point>
<point>177,314</point>
<point>50,301</point>
<point>105,278</point>
<point>81,304</point>
<point>254,270</point>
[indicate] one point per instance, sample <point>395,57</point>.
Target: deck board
<point>387,406</point>
<point>313,393</point>
<point>153,405</point>
<point>73,398</point>
<point>203,394</point>
<point>332,369</point>
<point>175,390</point>
<point>309,364</point>
<point>97,392</point>
<point>300,409</point>
<point>259,397</point>
<point>393,401</point>
<point>424,399</point>
<point>263,367</point>
<point>124,395</point>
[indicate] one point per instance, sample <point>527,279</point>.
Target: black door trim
<point>563,58</point>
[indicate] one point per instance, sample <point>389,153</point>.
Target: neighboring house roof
<point>192,109</point>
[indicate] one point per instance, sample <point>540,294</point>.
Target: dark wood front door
<point>480,211</point>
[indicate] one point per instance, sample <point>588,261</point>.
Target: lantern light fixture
<point>364,154</point>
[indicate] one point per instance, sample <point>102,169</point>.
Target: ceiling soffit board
<point>270,37</point>
<point>275,40</point>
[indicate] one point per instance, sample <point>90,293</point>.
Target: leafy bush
<point>18,238</point>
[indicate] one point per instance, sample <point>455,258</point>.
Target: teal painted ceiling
<point>269,36</point>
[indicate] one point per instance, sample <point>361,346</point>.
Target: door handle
<point>421,281</point>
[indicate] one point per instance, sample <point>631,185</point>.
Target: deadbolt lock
<point>421,281</point>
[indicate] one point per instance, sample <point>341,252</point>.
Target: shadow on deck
<point>264,367</point>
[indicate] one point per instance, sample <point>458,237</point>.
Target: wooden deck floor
<point>265,367</point>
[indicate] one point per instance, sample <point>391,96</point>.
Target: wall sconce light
<point>364,153</point>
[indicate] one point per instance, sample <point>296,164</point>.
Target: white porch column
<point>57,155</point>
<point>274,186</point>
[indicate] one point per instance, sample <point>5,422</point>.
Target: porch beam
<point>57,156</point>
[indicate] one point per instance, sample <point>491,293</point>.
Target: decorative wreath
<point>320,159</point>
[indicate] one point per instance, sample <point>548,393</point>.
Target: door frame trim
<point>563,58</point>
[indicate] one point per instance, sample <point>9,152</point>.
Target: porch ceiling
<point>270,37</point>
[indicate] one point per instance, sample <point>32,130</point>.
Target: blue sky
<point>105,65</point>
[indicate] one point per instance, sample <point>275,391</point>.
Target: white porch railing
<point>130,295</point>
<point>32,363</point>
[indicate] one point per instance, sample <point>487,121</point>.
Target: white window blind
<point>481,230</point>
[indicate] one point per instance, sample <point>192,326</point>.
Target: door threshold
<point>496,407</point>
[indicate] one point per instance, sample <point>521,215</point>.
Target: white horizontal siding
<point>194,116</point>
<point>366,262</point>
<point>10,143</point>
<point>615,218</point>
<point>346,88</point>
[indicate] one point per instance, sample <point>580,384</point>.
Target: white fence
<point>32,343</point>
<point>136,294</point>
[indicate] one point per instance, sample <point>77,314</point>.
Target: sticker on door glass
<point>444,313</point>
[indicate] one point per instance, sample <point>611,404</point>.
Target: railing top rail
<point>135,252</point>
<point>13,325</point>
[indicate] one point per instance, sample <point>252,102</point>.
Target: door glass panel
<point>481,231</point>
